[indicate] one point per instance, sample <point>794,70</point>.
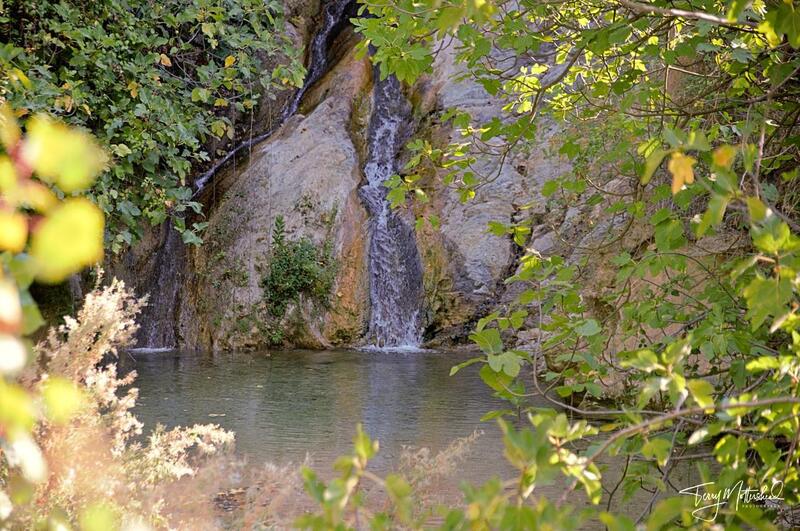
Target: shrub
<point>153,81</point>
<point>296,268</point>
<point>81,460</point>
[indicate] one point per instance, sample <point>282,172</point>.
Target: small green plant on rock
<point>296,268</point>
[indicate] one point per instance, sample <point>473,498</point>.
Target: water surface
<point>285,404</point>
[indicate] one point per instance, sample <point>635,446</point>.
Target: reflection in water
<point>297,402</point>
<point>292,403</point>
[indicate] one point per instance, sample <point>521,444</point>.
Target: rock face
<point>308,172</point>
<point>464,265</point>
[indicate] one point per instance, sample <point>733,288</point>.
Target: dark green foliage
<point>153,81</point>
<point>296,268</point>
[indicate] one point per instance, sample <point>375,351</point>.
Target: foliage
<point>155,83</point>
<point>296,268</point>
<point>703,349</point>
<point>70,453</point>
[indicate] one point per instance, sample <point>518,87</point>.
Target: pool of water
<point>286,404</point>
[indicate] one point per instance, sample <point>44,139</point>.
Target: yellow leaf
<point>62,399</point>
<point>13,231</point>
<point>680,166</point>
<point>17,413</point>
<point>60,154</point>
<point>37,196</point>
<point>164,60</point>
<point>19,75</point>
<point>723,156</point>
<point>229,61</point>
<point>220,102</point>
<point>8,175</point>
<point>98,517</point>
<point>69,238</point>
<point>65,102</point>
<point>133,87</point>
<point>9,129</point>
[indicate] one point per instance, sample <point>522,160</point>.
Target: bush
<point>72,452</point>
<point>153,81</point>
<point>296,268</point>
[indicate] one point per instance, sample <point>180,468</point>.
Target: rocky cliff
<point>309,172</point>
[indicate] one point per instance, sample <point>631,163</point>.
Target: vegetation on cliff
<point>157,83</point>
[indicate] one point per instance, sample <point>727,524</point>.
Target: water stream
<point>395,270</point>
<point>157,320</point>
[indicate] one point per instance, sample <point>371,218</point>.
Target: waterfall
<point>395,269</point>
<point>157,321</point>
<point>333,18</point>
<point>158,330</point>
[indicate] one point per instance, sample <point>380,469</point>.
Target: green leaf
<point>507,362</point>
<point>756,208</point>
<point>652,163</point>
<point>397,487</point>
<point>658,449</point>
<point>488,340</point>
<point>701,391</point>
<point>364,447</point>
<point>644,360</point>
<point>617,522</point>
<point>669,510</point>
<point>789,23</point>
<point>714,214</point>
<point>697,140</point>
<point>499,381</point>
<point>588,328</point>
<point>766,297</point>
<point>454,369</point>
<point>735,8</point>
<point>32,318</point>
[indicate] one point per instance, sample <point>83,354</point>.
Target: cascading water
<point>395,269</point>
<point>333,18</point>
<point>157,331</point>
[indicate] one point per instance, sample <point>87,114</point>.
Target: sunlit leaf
<point>652,163</point>
<point>98,517</point>
<point>724,156</point>
<point>57,153</point>
<point>69,238</point>
<point>680,166</point>
<point>62,399</point>
<point>9,129</point>
<point>13,231</point>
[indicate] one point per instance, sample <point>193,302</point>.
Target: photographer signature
<point>708,503</point>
